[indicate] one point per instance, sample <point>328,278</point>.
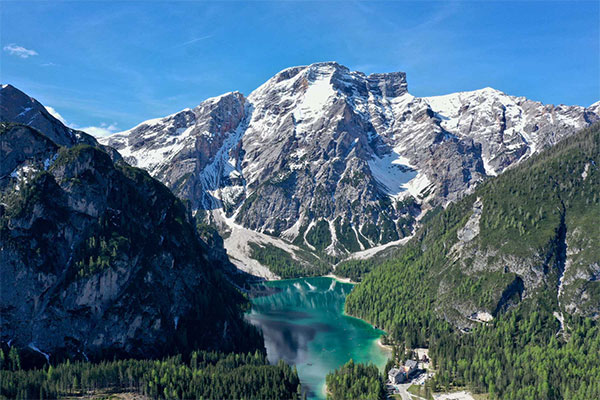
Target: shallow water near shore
<point>304,324</point>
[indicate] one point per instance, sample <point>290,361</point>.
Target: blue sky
<point>107,66</point>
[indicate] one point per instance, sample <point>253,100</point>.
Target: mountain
<point>503,286</point>
<point>321,161</point>
<point>530,230</point>
<point>17,107</point>
<point>98,259</point>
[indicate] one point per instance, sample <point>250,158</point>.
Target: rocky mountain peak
<point>109,254</point>
<point>322,81</point>
<point>594,108</point>
<point>392,84</point>
<point>17,107</point>
<point>336,161</point>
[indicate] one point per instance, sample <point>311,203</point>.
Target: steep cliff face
<point>335,161</point>
<point>188,151</point>
<point>100,259</point>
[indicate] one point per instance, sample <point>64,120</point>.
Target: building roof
<point>394,372</point>
<point>411,364</point>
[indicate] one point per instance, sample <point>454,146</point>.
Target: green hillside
<point>523,246</point>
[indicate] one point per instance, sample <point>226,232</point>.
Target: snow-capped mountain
<point>334,161</point>
<point>189,151</point>
<point>508,128</point>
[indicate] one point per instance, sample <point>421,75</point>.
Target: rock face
<point>16,106</point>
<point>100,259</point>
<point>560,259</point>
<point>321,146</point>
<point>188,151</point>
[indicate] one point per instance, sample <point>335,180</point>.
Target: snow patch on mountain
<point>153,157</point>
<point>223,166</point>
<point>37,350</point>
<point>489,169</point>
<point>321,142</point>
<point>314,99</point>
<point>334,240</point>
<point>393,173</point>
<point>417,186</point>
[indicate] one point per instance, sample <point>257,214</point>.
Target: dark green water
<point>304,325</point>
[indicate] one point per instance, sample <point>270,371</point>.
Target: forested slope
<point>355,381</point>
<point>505,265</point>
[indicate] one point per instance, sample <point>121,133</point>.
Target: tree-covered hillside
<point>486,282</point>
<point>110,256</point>
<point>355,381</point>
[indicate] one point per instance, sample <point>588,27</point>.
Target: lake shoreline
<point>386,347</point>
<point>330,275</point>
<point>340,279</point>
<point>304,323</point>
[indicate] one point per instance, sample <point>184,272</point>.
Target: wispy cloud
<point>198,39</point>
<point>105,129</point>
<point>56,115</point>
<point>100,131</point>
<point>49,64</point>
<point>19,51</point>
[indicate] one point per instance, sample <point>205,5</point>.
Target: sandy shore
<point>340,279</point>
<point>384,346</point>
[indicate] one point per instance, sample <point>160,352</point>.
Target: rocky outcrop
<point>98,259</point>
<point>17,107</point>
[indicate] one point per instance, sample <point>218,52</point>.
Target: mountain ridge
<point>321,144</point>
<point>98,258</point>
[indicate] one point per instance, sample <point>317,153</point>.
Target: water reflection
<point>285,341</point>
<point>303,324</point>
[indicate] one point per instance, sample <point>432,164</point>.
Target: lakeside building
<point>410,366</point>
<point>396,376</point>
<point>401,375</point>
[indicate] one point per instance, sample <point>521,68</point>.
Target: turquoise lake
<point>304,324</point>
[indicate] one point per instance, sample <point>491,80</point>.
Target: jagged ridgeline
<point>321,162</point>
<point>99,259</point>
<point>503,286</point>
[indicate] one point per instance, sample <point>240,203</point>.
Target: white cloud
<point>105,129</point>
<point>56,115</point>
<point>100,131</point>
<point>19,51</point>
<point>194,40</point>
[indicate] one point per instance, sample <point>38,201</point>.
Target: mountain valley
<point>468,220</point>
